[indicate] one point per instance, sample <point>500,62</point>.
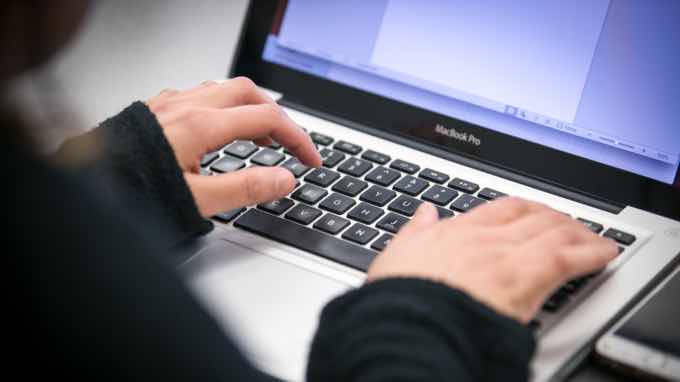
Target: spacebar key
<point>306,239</point>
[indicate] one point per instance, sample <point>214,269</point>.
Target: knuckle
<point>169,92</point>
<point>554,217</point>
<point>243,83</point>
<point>570,234</point>
<point>560,264</point>
<point>191,114</point>
<point>273,113</point>
<point>513,202</point>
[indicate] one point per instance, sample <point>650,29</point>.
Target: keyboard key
<point>365,213</point>
<point>383,176</point>
<point>321,139</point>
<point>306,239</point>
<point>360,234</point>
<point>331,224</point>
<point>433,176</point>
<point>378,195</point>
<point>227,164</point>
<point>275,145</point>
<point>410,185</point>
<point>404,166</point>
<point>392,222</point>
<point>330,157</point>
<point>556,301</point>
<point>209,158</point>
<point>620,236</point>
<point>355,167</point>
<point>228,216</point>
<point>595,227</point>
<point>349,185</point>
<point>303,214</point>
<point>267,157</point>
<point>439,195</point>
<point>309,194</point>
<point>464,185</point>
<point>574,285</point>
<point>376,157</point>
<point>444,213</point>
<point>337,203</point>
<point>322,177</point>
<point>205,172</point>
<point>490,194</point>
<point>380,243</point>
<point>466,202</point>
<point>405,205</point>
<point>569,288</point>
<point>349,148</point>
<point>241,149</point>
<point>277,207</point>
<point>295,166</point>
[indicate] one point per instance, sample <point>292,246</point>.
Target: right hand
<point>509,254</point>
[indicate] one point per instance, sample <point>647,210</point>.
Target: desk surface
<point>131,49</point>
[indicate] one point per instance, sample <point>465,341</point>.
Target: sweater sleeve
<point>135,167</point>
<point>416,330</point>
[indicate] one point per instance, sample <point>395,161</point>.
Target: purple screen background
<point>632,87</point>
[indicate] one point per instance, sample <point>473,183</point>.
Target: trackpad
<point>269,306</point>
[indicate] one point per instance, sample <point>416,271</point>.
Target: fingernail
<point>282,180</point>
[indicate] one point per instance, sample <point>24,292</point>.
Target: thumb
<point>215,194</point>
<point>425,216</point>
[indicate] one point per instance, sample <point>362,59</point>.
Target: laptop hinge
<point>542,185</point>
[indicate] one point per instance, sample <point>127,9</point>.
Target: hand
<point>510,254</point>
<point>203,119</point>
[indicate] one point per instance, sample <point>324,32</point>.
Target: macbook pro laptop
<point>457,103</point>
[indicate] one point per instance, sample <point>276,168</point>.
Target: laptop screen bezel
<point>576,174</point>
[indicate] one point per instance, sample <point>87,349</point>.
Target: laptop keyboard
<point>349,209</point>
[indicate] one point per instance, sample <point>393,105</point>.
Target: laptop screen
<point>593,78</point>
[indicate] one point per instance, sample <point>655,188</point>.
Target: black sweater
<point>93,297</point>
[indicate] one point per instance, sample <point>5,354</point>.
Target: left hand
<point>206,118</point>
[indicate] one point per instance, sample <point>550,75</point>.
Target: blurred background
<point>130,50</point>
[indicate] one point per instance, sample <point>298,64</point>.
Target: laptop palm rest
<point>270,307</point>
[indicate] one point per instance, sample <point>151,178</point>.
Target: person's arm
<point>129,160</point>
<point>147,157</point>
<point>91,300</point>
<point>417,330</point>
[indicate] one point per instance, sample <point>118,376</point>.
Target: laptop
<point>572,104</point>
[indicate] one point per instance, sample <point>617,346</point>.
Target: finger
<point>259,121</point>
<point>426,215</point>
<point>500,211</point>
<point>561,234</point>
<point>578,260</point>
<point>264,142</point>
<point>547,248</point>
<point>214,194</point>
<point>234,92</point>
<point>531,225</point>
